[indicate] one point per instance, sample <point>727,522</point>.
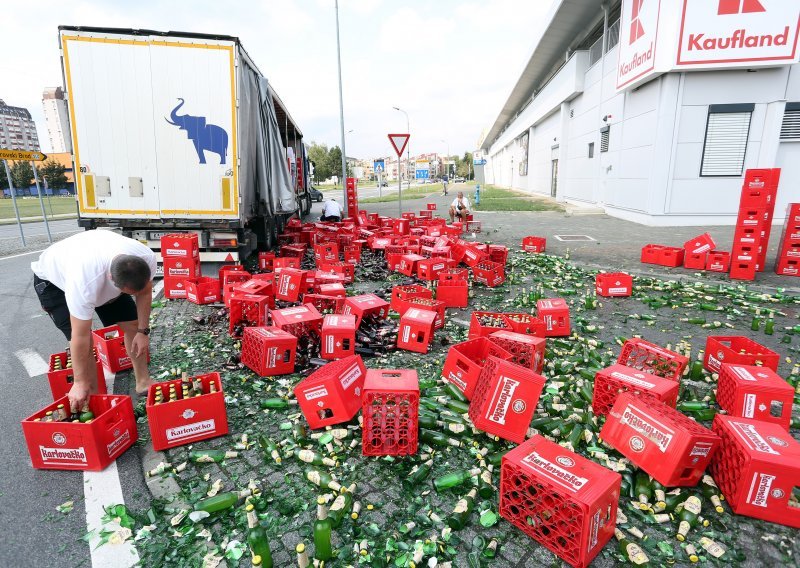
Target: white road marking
<point>102,489</point>
<point>34,364</point>
<point>21,254</point>
<point>157,287</point>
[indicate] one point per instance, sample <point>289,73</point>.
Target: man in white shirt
<point>332,211</point>
<point>459,207</point>
<point>97,271</point>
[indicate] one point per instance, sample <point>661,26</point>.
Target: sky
<point>449,64</point>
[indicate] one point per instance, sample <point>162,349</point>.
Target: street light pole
<point>447,158</point>
<point>408,161</point>
<point>341,112</point>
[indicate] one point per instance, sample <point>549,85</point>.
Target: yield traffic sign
<point>399,142</point>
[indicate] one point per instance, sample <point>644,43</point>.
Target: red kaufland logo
<point>739,7</point>
<point>637,30</point>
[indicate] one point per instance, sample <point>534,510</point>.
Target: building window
<point>727,129</point>
<point>591,149</point>
<point>790,127</point>
<point>605,132</point>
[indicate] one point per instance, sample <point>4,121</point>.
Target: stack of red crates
<point>180,253</point>
<point>788,261</point>
<point>754,222</point>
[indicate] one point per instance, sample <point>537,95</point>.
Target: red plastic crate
<point>265,260</point>
<point>672,448</point>
<point>748,235</point>
<point>612,381</point>
<point>326,252</point>
<point>613,284</point>
<point>247,310</point>
<point>651,358</point>
<point>82,446</point>
<point>431,206</point>
<point>670,256</point>
<point>534,244</point>
<point>181,245</point>
<point>408,264</point>
<point>202,290</point>
<point>430,268</point>
<point>336,290</point>
<point>483,324</point>
<point>525,323</point>
<point>466,360</point>
<point>498,253</point>
<point>505,398</point>
<point>352,254</point>
<point>526,350</point>
<point>402,293</point>
<point>332,393</point>
<point>489,273</point>
<point>564,501</point>
<point>699,244</point>
<point>743,269</point>
<point>61,380</point>
<point>181,267</point>
<point>291,283</point>
<point>256,286</point>
<point>755,392</point>
<point>453,293</point>
<point>718,261</point>
<point>473,256</point>
<point>401,226</point>
<point>472,226</point>
<point>174,288</point>
<point>297,250</point>
<point>285,262</point>
<point>366,306</point>
<point>728,349</point>
<point>186,420</point>
<point>788,267</point>
<point>325,304</point>
<point>416,330</point>
<point>426,214</point>
<point>390,407</point>
<point>268,351</point>
<point>345,269</point>
<point>695,261</point>
<point>299,320</point>
<point>555,314</point>
<point>338,336</point>
<point>757,468</point>
<point>759,188</point>
<point>454,273</point>
<point>110,345</point>
<point>231,268</point>
<point>425,304</point>
<point>651,254</point>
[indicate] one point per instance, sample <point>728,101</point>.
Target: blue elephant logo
<point>205,137</point>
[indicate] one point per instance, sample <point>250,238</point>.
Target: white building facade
<point>55,115</point>
<point>653,110</point>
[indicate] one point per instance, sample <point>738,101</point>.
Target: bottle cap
<point>300,548</point>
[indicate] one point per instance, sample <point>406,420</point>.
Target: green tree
<point>335,161</point>
<point>464,166</point>
<point>21,174</point>
<point>320,155</point>
<point>53,173</point>
<point>3,177</point>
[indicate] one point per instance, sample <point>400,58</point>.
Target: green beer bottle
<point>418,473</point>
<point>340,506</point>
<point>644,489</point>
<point>270,448</point>
<point>302,556</point>
<point>456,478</point>
<point>257,538</point>
<point>310,456</point>
<point>221,501</point>
<point>485,487</point>
<point>689,516</point>
<point>277,403</point>
<point>322,532</point>
<point>322,479</point>
<point>462,510</point>
<point>631,551</point>
<point>712,493</point>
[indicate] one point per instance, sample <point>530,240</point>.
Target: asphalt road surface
<point>34,533</point>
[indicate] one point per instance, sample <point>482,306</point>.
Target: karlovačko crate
<point>332,393</point>
<point>390,407</point>
<point>61,380</point>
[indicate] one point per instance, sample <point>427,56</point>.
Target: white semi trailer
<point>176,131</point>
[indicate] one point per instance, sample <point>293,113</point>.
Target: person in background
<point>459,207</point>
<point>98,272</point>
<point>332,211</point>
<point>444,184</point>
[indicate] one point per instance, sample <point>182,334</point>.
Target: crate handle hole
<point>325,413</point>
<point>776,408</point>
<point>794,499</point>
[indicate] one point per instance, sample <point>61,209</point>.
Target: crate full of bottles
<point>61,376</point>
<point>88,440</point>
<point>186,410</point>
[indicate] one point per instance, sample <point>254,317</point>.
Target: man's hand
<point>140,345</point>
<point>79,396</point>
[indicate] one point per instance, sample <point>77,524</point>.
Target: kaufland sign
<point>704,34</point>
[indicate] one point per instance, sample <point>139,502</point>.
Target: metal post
<point>14,199</point>
<point>341,113</point>
<point>41,201</point>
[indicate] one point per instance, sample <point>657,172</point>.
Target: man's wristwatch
<point>145,331</point>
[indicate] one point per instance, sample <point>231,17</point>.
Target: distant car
<point>316,195</point>
<point>384,184</point>
<point>459,180</point>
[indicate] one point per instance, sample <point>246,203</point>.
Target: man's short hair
<point>130,272</point>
